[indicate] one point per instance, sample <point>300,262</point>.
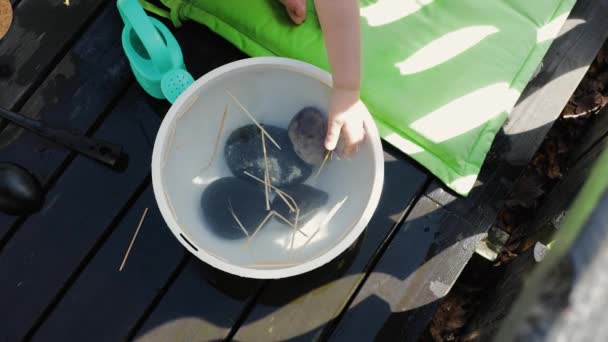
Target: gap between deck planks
<point>61,308</point>
<point>106,303</point>
<point>77,95</point>
<point>398,301</point>
<point>48,249</point>
<point>40,33</point>
<point>547,221</point>
<point>297,307</point>
<point>194,287</point>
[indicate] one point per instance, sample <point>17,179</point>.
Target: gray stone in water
<point>309,201</point>
<point>307,131</point>
<point>248,202</point>
<point>243,152</point>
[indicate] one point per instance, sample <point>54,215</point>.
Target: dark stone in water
<point>243,152</point>
<point>247,199</point>
<point>309,201</point>
<point>307,131</point>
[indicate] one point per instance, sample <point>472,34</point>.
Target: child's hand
<point>346,118</point>
<point>296,9</point>
<point>340,21</point>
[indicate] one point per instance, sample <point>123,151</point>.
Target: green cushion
<point>439,77</point>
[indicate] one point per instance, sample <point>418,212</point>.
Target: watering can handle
<point>134,15</point>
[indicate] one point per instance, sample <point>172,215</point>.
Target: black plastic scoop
<point>20,191</point>
<point>104,152</point>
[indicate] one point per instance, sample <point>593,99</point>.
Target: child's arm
<point>340,23</point>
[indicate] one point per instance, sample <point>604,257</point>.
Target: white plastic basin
<point>273,90</point>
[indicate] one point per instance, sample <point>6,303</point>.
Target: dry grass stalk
<point>217,256</point>
<point>326,220</point>
<point>169,145</point>
<point>265,220</point>
<point>291,243</point>
<point>187,105</point>
<point>124,259</point>
<point>257,229</point>
<point>266,174</point>
<point>253,119</point>
<point>287,222</point>
<point>295,228</point>
<point>284,196</point>
<point>273,264</point>
<point>237,219</point>
<point>217,140</point>
<point>279,216</point>
<point>293,206</point>
<point>328,154</point>
<point>170,205</point>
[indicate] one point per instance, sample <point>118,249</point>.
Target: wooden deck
<point>59,276</point>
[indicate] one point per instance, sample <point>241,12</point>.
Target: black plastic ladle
<point>104,152</point>
<point>20,192</point>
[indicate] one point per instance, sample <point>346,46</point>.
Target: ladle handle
<point>134,15</point>
<point>101,151</point>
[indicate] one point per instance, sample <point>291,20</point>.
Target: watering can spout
<point>153,52</point>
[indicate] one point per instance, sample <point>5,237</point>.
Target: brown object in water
<point>217,140</point>
<point>6,17</point>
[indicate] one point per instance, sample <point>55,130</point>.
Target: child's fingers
<point>296,9</point>
<point>353,135</point>
<point>333,134</point>
<point>295,17</point>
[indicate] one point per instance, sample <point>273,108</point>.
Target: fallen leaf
<point>554,171</point>
<point>525,191</point>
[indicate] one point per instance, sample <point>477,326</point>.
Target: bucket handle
<point>134,15</point>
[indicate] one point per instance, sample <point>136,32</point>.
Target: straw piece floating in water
<point>284,196</point>
<point>293,235</point>
<point>265,220</point>
<point>257,229</point>
<point>169,145</point>
<point>124,259</point>
<point>328,154</point>
<point>170,205</point>
<point>325,221</point>
<point>237,219</point>
<point>217,256</point>
<point>274,264</point>
<point>266,174</point>
<point>253,119</point>
<point>187,105</point>
<point>217,140</point>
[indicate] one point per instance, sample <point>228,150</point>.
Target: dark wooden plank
<point>202,305</point>
<point>417,269</point>
<point>298,308</point>
<point>193,308</point>
<point>547,221</point>
<point>74,96</point>
<point>563,68</point>
<point>80,209</point>
<point>40,32</point>
<point>104,304</point>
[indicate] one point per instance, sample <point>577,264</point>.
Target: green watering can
<point>153,53</point>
